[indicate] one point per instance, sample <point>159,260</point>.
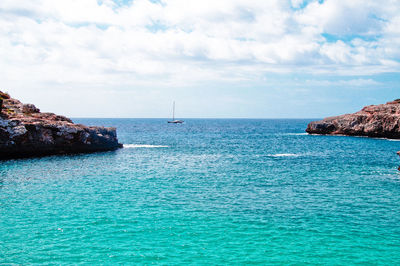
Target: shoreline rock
<point>379,121</point>
<point>26,132</point>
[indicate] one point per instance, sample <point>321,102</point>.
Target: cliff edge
<point>382,121</point>
<point>26,132</point>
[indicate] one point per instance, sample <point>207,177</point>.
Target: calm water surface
<point>206,192</point>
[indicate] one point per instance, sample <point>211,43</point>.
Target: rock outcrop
<point>26,132</point>
<point>382,121</point>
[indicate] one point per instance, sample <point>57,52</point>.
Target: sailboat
<point>173,121</point>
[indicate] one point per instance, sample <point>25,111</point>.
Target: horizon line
<point>166,118</point>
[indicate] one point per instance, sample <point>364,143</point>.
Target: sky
<point>215,58</point>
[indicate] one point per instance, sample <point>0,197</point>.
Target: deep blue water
<point>206,192</point>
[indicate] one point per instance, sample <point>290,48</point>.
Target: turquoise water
<point>206,192</point>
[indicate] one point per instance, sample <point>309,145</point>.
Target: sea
<point>209,191</point>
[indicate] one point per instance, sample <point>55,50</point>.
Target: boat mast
<point>173,111</point>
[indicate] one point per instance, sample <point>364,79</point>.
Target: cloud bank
<point>169,43</point>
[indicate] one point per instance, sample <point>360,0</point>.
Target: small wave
<point>144,146</point>
<point>284,155</point>
<point>296,134</point>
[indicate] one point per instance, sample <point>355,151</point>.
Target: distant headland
<point>26,132</point>
<point>379,121</point>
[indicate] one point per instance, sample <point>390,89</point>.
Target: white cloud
<point>361,82</point>
<point>297,3</point>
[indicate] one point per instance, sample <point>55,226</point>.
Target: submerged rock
<point>381,121</point>
<point>25,132</point>
<point>398,153</point>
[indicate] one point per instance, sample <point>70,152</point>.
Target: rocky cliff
<point>381,121</point>
<point>26,132</point>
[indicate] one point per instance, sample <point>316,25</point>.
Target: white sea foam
<point>296,134</point>
<point>341,135</point>
<point>143,146</point>
<point>285,155</point>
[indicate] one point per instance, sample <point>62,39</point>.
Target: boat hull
<point>175,122</point>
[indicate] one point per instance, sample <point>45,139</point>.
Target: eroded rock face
<point>30,108</point>
<point>372,121</point>
<point>25,132</point>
